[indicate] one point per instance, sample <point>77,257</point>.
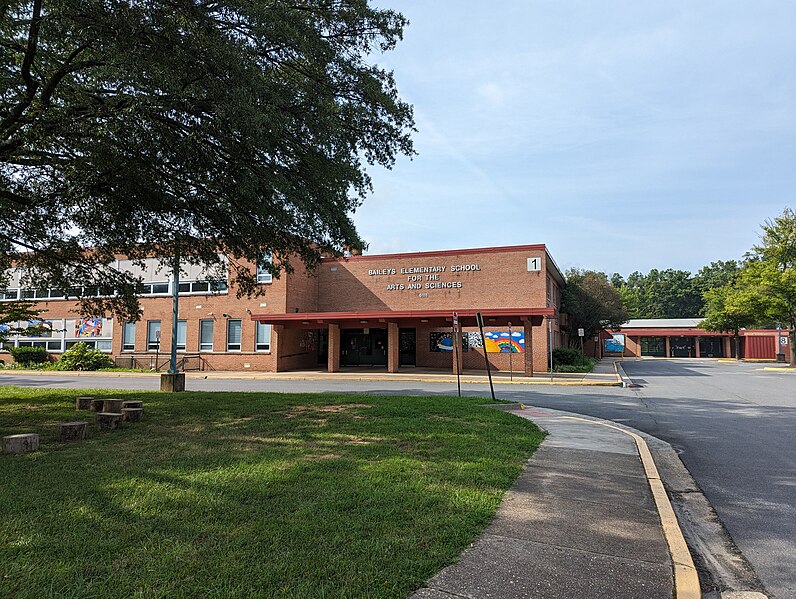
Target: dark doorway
<point>407,347</point>
<point>711,347</point>
<point>363,347</point>
<point>323,346</point>
<point>681,347</point>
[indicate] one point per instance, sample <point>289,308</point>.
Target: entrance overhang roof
<point>492,316</point>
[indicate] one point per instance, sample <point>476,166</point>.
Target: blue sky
<point>624,135</point>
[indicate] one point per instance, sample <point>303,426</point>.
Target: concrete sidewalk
<point>603,375</point>
<point>581,522</point>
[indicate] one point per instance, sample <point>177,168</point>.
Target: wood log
<point>133,414</point>
<point>20,443</point>
<point>112,406</point>
<point>96,405</point>
<point>107,421</point>
<point>72,431</point>
<point>83,403</point>
<point>133,404</point>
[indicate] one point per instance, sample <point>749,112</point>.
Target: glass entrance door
<point>360,348</point>
<point>407,344</point>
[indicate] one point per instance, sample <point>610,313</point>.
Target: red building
<point>682,338</point>
<point>383,311</point>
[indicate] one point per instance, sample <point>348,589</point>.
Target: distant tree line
<point>672,293</point>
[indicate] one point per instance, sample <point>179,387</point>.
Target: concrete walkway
<point>581,522</point>
<point>604,374</point>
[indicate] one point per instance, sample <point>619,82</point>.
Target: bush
<point>81,357</point>
<point>566,356</point>
<point>29,355</point>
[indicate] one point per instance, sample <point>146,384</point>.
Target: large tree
<point>241,127</point>
<point>771,275</point>
<point>730,308</point>
<point>591,304</point>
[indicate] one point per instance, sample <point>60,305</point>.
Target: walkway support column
<point>528,326</point>
<point>393,349</point>
<point>333,348</point>
<point>668,347</point>
<point>696,345</point>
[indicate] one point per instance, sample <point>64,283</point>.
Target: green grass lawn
<point>250,494</point>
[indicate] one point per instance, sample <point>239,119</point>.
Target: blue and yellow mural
<point>503,342</point>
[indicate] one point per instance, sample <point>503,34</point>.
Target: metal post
<point>480,319</point>
<point>175,294</point>
<point>455,343</point>
<point>511,351</point>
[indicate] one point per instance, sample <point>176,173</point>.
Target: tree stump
<point>133,404</point>
<point>72,431</point>
<point>20,443</point>
<point>107,421</point>
<point>132,414</point>
<point>112,406</point>
<point>96,405</point>
<point>83,403</point>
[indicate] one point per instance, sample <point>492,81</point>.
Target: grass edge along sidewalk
<point>251,494</point>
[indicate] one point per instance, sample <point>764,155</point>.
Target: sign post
<point>455,343</point>
<point>480,320</point>
<point>580,334</point>
<point>780,353</point>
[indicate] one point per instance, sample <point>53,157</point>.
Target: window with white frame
<point>205,335</point>
<point>263,337</point>
<point>233,334</point>
<point>182,334</point>
<point>263,274</point>
<point>128,337</point>
<point>153,335</point>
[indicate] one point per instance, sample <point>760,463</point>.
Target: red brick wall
<point>503,281</point>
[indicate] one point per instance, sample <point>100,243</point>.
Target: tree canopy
<point>591,304</point>
<point>244,128</point>
<point>672,293</point>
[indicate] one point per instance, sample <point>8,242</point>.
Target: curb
<point>686,579</point>
<point>626,381</point>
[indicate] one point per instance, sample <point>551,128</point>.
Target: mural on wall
<point>614,345</point>
<point>441,341</point>
<point>474,339</point>
<point>88,327</point>
<point>308,341</point>
<point>501,342</point>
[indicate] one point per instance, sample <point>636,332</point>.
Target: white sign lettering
<point>424,277</point>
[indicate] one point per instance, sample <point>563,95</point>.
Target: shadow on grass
<point>247,495</point>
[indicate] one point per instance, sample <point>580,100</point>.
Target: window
<point>153,335</point>
<point>200,286</point>
<point>233,335</point>
<point>104,345</point>
<point>218,286</point>
<point>9,294</point>
<point>185,287</point>
<point>205,335</point>
<point>263,341</point>
<point>182,333</point>
<point>263,275</point>
<point>128,337</point>
<point>54,345</point>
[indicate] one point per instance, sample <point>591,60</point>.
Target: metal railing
<point>160,362</point>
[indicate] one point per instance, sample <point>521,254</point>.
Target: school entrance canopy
<point>396,320</point>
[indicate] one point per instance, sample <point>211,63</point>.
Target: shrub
<point>81,357</point>
<point>29,355</point>
<point>566,356</point>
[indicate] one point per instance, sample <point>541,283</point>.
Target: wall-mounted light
<point>248,311</point>
<point>225,315</point>
<point>424,320</point>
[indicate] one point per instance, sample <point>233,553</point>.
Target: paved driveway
<point>735,425</point>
